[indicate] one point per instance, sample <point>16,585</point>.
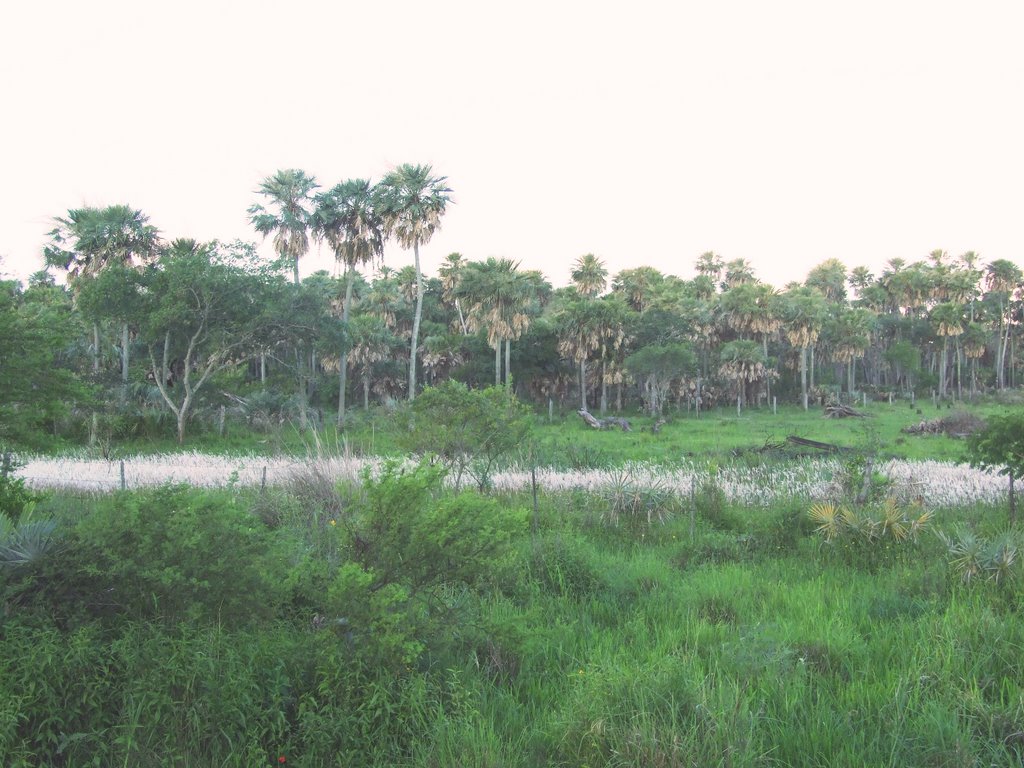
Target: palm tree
<point>89,241</point>
<point>346,219</point>
<point>947,319</point>
<point>579,334</point>
<point>829,278</point>
<point>1002,278</point>
<point>450,273</point>
<point>412,202</point>
<point>803,313</point>
<point>710,264</point>
<point>636,285</point>
<point>743,363</point>
<point>589,276</point>
<point>737,272</point>
<point>497,295</point>
<point>288,194</point>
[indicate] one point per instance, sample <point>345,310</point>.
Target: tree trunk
<point>604,389</point>
<point>508,362</point>
<point>497,364</point>
<point>343,358</point>
<point>263,369</point>
<point>366,394</point>
<point>124,362</point>
<point>812,368</point>
<point>583,385</point>
<point>416,320</point>
<point>803,375</point>
<point>1013,501</point>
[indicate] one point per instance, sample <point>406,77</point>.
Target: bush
<point>175,553</point>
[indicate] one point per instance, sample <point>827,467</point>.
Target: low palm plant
<point>974,558</point>
<point>27,541</point>
<point>638,503</point>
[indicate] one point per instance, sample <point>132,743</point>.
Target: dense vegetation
<point>151,338</point>
<point>397,622</point>
<point>426,615</point>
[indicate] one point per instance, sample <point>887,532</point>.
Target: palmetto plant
<point>637,501</point>
<point>27,541</point>
<point>975,558</point>
<point>890,522</point>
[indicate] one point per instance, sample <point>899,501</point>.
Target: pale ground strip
<point>935,483</point>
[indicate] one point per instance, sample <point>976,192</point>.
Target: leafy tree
<point>203,315</point>
<point>1000,446</point>
<point>412,201</point>
<point>469,430</point>
<point>37,380</point>
<point>657,368</point>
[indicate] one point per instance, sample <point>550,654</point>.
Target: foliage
<point>174,554</point>
<point>974,558</point>
<point>636,503</point>
<point>469,430</point>
<point>1000,446</point>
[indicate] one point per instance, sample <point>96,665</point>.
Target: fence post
<point>123,486</point>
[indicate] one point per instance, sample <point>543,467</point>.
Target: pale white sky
<point>783,132</point>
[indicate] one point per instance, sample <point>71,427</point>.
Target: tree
<point>1002,278</point>
<point>743,363</point>
<point>202,316</point>
<point>636,286</point>
<point>91,240</point>
<point>469,430</point>
<point>1000,446</point>
<point>589,276</point>
<point>37,380</point>
<point>412,201</point>
<point>497,295</point>
<point>288,195</point>
<point>451,276</point>
<point>803,315</point>
<point>346,218</point>
<point>657,368</point>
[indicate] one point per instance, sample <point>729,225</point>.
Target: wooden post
<point>220,422</point>
<point>263,481</point>
<point>864,399</point>
<point>123,485</point>
<point>693,507</point>
<point>775,405</point>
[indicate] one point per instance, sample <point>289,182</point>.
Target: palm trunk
<point>604,388</point>
<point>943,364</point>
<point>583,384</point>
<point>416,320</point>
<point>812,368</point>
<point>803,375</point>
<point>497,364</point>
<point>343,358</point>
<point>124,362</point>
<point>263,369</point>
<point>508,362</point>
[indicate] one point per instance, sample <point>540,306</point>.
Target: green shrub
<point>176,553</point>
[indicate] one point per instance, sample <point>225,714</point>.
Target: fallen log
<point>608,423</point>
<point>805,443</point>
<point>842,412</point>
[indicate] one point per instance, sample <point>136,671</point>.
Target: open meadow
<point>704,596</point>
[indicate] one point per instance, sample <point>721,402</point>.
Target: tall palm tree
<point>948,321</point>
<point>589,275</point>
<point>636,285</point>
<point>497,295</point>
<point>412,202</point>
<point>288,195</point>
<point>803,315</point>
<point>1002,278</point>
<point>450,273</point>
<point>710,264</point>
<point>345,217</point>
<point>579,334</point>
<point>737,272</point>
<point>89,240</point>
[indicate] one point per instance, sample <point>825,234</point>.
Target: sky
<point>785,133</point>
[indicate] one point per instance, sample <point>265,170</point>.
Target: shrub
<point>975,558</point>
<point>869,535</point>
<point>175,553</point>
<point>637,504</point>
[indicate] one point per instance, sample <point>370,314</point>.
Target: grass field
<point>623,621</point>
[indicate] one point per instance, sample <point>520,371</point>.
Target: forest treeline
<point>126,333</point>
